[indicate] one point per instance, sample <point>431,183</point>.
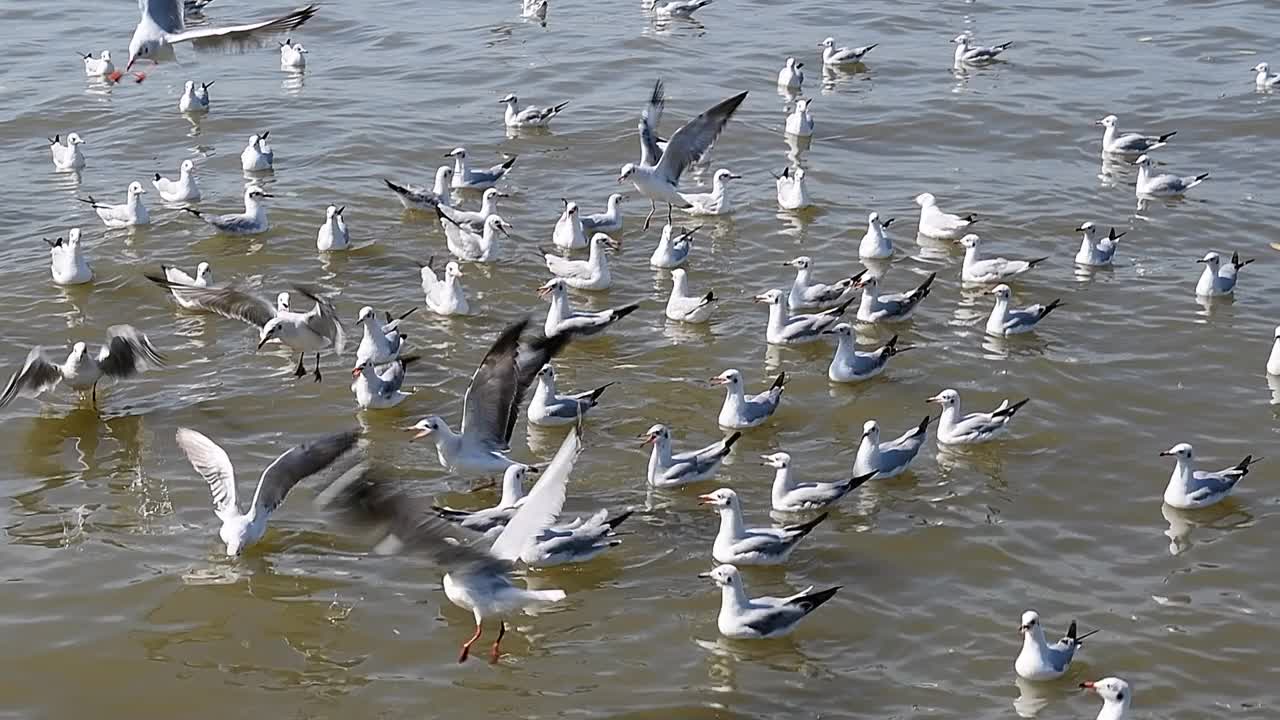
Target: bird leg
<point>466,647</point>
<point>653,208</point>
<point>493,652</point>
<point>301,370</point>
<point>317,373</point>
<point>94,396</point>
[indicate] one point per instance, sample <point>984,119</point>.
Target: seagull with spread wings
<point>126,353</point>
<point>163,25</point>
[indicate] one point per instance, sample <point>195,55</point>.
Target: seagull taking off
<point>163,25</point>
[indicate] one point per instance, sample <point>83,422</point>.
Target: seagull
<point>562,319</point>
<point>683,307</point>
<point>125,353</point>
<point>551,409</point>
<point>792,193</point>
<point>1217,280</point>
<point>956,428</point>
<point>935,223</point>
<point>471,220</point>
<point>444,297</point>
<point>1163,185</point>
<point>986,271</point>
<point>796,329</point>
<point>195,98</point>
<point>975,54</point>
<point>379,390</point>
<point>173,279</point>
<point>380,343</point>
<point>575,542</point>
<point>1265,80</point>
<point>715,202</point>
<point>257,155</point>
<point>67,157</point>
<point>530,117</point>
<point>470,246</point>
<point>680,8</point>
<point>741,545</point>
<point>1191,489</point>
<point>182,190</point>
<point>132,212</point>
<point>791,76</point>
<point>876,244</point>
<point>805,295</point>
<point>1039,661</point>
<point>333,233</point>
<point>1096,252</point>
<point>673,248</point>
<point>800,122</point>
<point>739,411</point>
<point>792,496</point>
<point>491,518</point>
<point>464,178</point>
<point>890,458</point>
<point>667,470</point>
<point>162,26</point>
<point>240,529</point>
<point>477,579</point>
<point>569,233</point>
<point>1114,143</point>
<point>418,197</point>
<point>252,221</point>
<point>98,66</point>
<point>535,9</point>
<point>609,221</point>
<point>746,618</point>
<point>1273,360</point>
<point>66,260</point>
<point>491,404</point>
<point>889,307</point>
<point>832,55</point>
<point>850,365</point>
<point>590,274</point>
<point>1116,696</point>
<point>292,55</point>
<point>657,175</point>
<point>1005,321</point>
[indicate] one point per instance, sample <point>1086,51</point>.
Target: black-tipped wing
<point>234,38</point>
<point>695,137</point>
<point>297,464</point>
<point>650,152</point>
<point>36,376</point>
<point>228,302</point>
<point>488,408</point>
<point>127,352</point>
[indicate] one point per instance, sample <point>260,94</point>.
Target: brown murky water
<point>116,600</point>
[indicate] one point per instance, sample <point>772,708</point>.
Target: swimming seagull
<point>1165,184</point>
<point>680,8</point>
<point>1005,321</point>
<point>465,244</point>
<point>1116,696</point>
<point>1273,360</point>
<point>380,389</point>
<point>609,221</point>
<point>746,618</point>
<point>562,319</point>
<point>876,307</point>
<point>491,404</point>
<point>800,122</point>
<point>444,296</point>
<point>569,233</point>
<point>530,117</point>
<point>471,220</point>
<point>1039,661</point>
<point>791,76</point>
<point>796,329</point>
<point>242,529</point>
<point>832,55</point>
<point>590,274</point>
<point>333,233</point>
<point>418,197</point>
<point>673,248</point>
<point>126,353</point>
<point>132,212</point>
<point>876,244</point>
<point>1191,489</point>
<point>184,189</point>
<point>1264,80</point>
<point>491,518</point>
<point>67,264</point>
<point>292,55</point>
<point>741,411</point>
<point>935,223</point>
<point>967,53</point>
<point>173,279</point>
<point>792,192</point>
<point>162,26</point>
<point>549,408</point>
<point>791,496</point>
<point>67,157</point>
<point>1218,280</point>
<point>575,542</point>
<point>737,544</point>
<point>1115,143</point>
<point>806,295</point>
<point>1095,252</point>
<point>250,222</point>
<point>667,469</point>
<point>849,364</point>
<point>97,66</point>
<point>683,307</point>
<point>986,271</point>
<point>464,178</point>
<point>195,98</point>
<point>715,202</point>
<point>257,155</point>
<point>657,175</point>
<point>380,343</point>
<point>892,457</point>
<point>957,428</point>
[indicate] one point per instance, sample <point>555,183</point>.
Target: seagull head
<point>141,48</point>
<point>253,141</point>
<point>801,262</point>
<point>778,460</point>
<point>547,373</point>
<point>627,171</point>
<point>106,56</point>
<point>926,200</point>
<point>725,175</point>
<point>359,368</point>
<point>269,331</point>
<point>332,211</point>
<point>616,198</point>
<point>426,426</point>
<point>1087,228</point>
<point>366,313</point>
<point>829,42</point>
<point>135,189</point>
<point>871,431</point>
<point>456,153</point>
<point>453,270</point>
<point>947,398</point>
<point>600,241</point>
<point>770,297</point>
<point>1262,67</point>
<point>1145,161</point>
<point>1212,259</point>
<point>729,377</point>
<point>204,272</point>
<point>961,39</point>
<point>866,281</point>
<point>73,237</point>
<point>554,286</point>
<point>1002,292</point>
<point>253,193</point>
<point>1108,121</point>
<point>844,330</point>
<point>510,98</point>
<point>187,166</point>
<point>1030,623</point>
<point>720,499</point>
<point>282,302</point>
<point>1111,689</point>
<point>493,223</point>
<point>78,350</point>
<point>1182,451</point>
<point>802,105</point>
<point>491,195</point>
<point>792,64</point>
<point>723,575</point>
<point>571,208</point>
<point>656,433</point>
<point>969,241</point>
<point>189,87</point>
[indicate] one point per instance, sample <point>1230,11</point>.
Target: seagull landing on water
<point>746,618</point>
<point>1116,143</point>
<point>529,117</point>
<point>67,264</point>
<point>128,214</point>
<point>1116,696</point>
<point>735,543</point>
<point>957,428</point>
<point>1039,661</point>
<point>163,25</point>
<point>126,353</point>
<point>1191,489</point>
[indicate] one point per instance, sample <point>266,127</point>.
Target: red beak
<point>355,372</point>
<point>705,499</point>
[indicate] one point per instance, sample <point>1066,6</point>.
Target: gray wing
<point>240,37</point>
<point>779,618</point>
<point>167,14</point>
<point>211,461</point>
<point>228,302</point>
<point>695,137</point>
<point>297,464</point>
<point>490,403</point>
<point>650,152</point>
<point>325,324</point>
<point>393,377</point>
<point>127,352</point>
<point>36,376</point>
<point>1208,484</point>
<point>233,223</point>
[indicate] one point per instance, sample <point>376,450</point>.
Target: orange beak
<point>705,500</point>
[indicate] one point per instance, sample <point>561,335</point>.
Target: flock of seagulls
<point>480,548</point>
